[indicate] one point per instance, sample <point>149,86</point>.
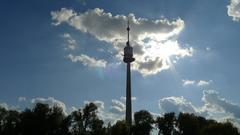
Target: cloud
<point>203,83</point>
<point>87,60</point>
<point>124,98</point>
<point>4,105</point>
<point>188,82</point>
<point>154,41</point>
<point>177,105</point>
<point>62,15</point>
<point>196,83</point>
<point>212,99</point>
<point>106,27</point>
<point>214,107</point>
<point>70,42</point>
<point>118,107</point>
<point>21,99</point>
<point>234,9</point>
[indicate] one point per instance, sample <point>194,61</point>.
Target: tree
<point>9,122</point>
<point>143,123</point>
<point>86,121</point>
<point>77,122</point>
<point>97,127</point>
<point>220,129</point>
<point>120,128</point>
<point>42,120</point>
<point>188,124</point>
<point>45,120</point>
<point>89,115</point>
<point>3,117</point>
<point>27,124</point>
<point>166,123</point>
<point>55,120</point>
<point>65,126</point>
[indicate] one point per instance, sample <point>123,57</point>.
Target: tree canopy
<point>45,120</point>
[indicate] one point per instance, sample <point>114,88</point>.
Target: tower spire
<point>128,30</point>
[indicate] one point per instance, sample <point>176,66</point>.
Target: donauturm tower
<point>128,58</point>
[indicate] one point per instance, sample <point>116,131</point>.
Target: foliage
<point>120,128</point>
<point>45,120</point>
<point>166,123</point>
<point>143,123</point>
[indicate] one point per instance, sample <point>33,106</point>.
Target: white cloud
<point>4,105</point>
<point>212,99</point>
<point>70,42</point>
<point>154,41</point>
<point>203,83</point>
<point>62,15</point>
<point>87,60</point>
<point>124,98</point>
<point>9,107</point>
<point>196,83</point>
<point>214,107</point>
<point>118,107</point>
<point>21,99</point>
<point>177,105</point>
<point>72,109</point>
<point>234,9</point>
<point>188,82</point>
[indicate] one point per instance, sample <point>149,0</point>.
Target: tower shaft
<point>128,96</point>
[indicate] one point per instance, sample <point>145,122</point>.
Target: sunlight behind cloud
<point>155,42</point>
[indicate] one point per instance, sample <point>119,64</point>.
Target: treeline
<point>45,120</point>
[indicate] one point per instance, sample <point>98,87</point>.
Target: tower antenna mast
<point>128,30</point>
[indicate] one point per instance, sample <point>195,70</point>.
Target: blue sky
<point>70,50</point>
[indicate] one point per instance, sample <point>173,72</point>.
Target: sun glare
<point>163,50</point>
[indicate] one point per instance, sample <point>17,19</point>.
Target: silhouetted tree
<point>66,125</point>
<point>9,122</point>
<point>42,120</point>
<point>143,123</point>
<point>166,123</point>
<point>55,120</point>
<point>77,123</point>
<point>97,127</point>
<point>89,115</point>
<point>220,129</point>
<point>45,120</point>
<point>120,128</point>
<point>188,124</point>
<point>3,117</point>
<point>28,123</point>
<point>86,122</point>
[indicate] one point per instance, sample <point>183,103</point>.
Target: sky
<point>69,53</point>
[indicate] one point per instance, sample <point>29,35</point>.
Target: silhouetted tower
<point>128,58</point>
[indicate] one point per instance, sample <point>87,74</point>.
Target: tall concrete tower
<point>128,58</point>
